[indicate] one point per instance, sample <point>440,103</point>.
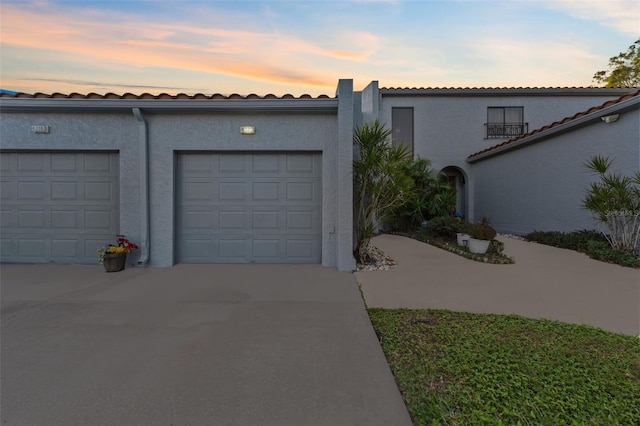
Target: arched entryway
<point>457,179</point>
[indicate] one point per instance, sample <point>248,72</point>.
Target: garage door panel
<point>64,219</point>
<point>230,191</point>
<point>31,163</point>
<point>300,164</point>
<point>302,248</point>
<point>66,249</point>
<point>58,207</point>
<point>100,164</point>
<point>64,190</point>
<point>231,163</point>
<point>64,163</point>
<point>263,208</point>
<point>266,163</point>
<point>265,191</point>
<point>232,249</point>
<point>266,220</point>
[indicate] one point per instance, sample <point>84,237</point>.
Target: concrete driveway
<point>545,282</point>
<point>192,344</point>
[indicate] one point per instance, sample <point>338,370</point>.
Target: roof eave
<point>632,103</point>
<point>167,105</point>
<point>511,91</point>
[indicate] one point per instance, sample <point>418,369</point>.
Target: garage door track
<point>192,344</point>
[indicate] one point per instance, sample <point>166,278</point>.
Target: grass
<point>472,369</point>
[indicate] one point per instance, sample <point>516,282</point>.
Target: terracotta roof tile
<point>501,88</point>
<point>129,95</point>
<point>559,122</point>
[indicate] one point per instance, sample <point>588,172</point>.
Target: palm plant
<point>615,203</point>
<point>379,182</point>
<point>433,197</point>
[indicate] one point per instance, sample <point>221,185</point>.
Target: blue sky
<point>303,47</point>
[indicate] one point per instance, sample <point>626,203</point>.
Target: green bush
<point>447,226</point>
<point>590,242</point>
<point>603,251</point>
<point>576,240</point>
<point>431,196</point>
<point>482,231</point>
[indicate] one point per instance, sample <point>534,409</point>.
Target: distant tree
<point>624,69</point>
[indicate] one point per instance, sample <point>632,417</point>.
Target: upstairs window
<point>402,127</point>
<point>505,122</point>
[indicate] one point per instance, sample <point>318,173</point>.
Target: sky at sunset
<point>304,47</point>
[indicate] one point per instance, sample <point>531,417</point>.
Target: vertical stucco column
<point>344,232</point>
<point>370,105</point>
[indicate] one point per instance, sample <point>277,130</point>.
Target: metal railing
<point>506,130</point>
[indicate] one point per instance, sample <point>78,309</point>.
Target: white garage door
<point>249,207</point>
<point>57,207</point>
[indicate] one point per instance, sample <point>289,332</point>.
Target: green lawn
<point>469,369</point>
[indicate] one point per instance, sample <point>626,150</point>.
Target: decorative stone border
<point>496,259</point>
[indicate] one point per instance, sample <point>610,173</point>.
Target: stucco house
<point>259,179</point>
<point>189,178</point>
<point>537,181</point>
<point>446,125</point>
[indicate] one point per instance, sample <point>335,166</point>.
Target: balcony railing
<point>506,130</point>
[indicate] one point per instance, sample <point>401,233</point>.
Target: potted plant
<point>114,257</point>
<point>481,234</point>
<point>462,232</point>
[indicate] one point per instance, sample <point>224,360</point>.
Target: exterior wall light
<point>247,130</point>
<point>610,118</point>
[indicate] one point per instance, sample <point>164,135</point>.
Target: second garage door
<point>57,207</point>
<point>249,208</point>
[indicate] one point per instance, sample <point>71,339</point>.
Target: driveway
<point>192,344</point>
<point>545,282</point>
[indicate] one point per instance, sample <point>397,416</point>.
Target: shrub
<point>615,203</point>
<point>447,226</point>
<point>576,240</point>
<point>603,251</point>
<point>482,231</point>
<point>432,196</point>
<point>593,243</point>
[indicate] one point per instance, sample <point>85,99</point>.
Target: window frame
<point>396,129</point>
<point>503,129</point>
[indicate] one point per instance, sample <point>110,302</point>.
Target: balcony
<point>505,130</point>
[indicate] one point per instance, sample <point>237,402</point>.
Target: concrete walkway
<point>545,282</point>
<point>191,345</point>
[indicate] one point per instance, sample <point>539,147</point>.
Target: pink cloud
<point>272,57</point>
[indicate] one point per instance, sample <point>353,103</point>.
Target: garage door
<point>248,207</point>
<point>57,207</point>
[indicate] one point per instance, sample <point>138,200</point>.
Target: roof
<point>505,91</point>
<point>593,113</point>
<point>110,95</point>
<point>164,102</point>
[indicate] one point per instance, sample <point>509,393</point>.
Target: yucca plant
<point>614,201</point>
<point>379,182</point>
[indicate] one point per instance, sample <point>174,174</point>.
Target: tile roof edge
<point>568,121</point>
<point>509,88</point>
<point>160,96</point>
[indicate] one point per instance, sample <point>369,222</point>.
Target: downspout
<point>144,187</point>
